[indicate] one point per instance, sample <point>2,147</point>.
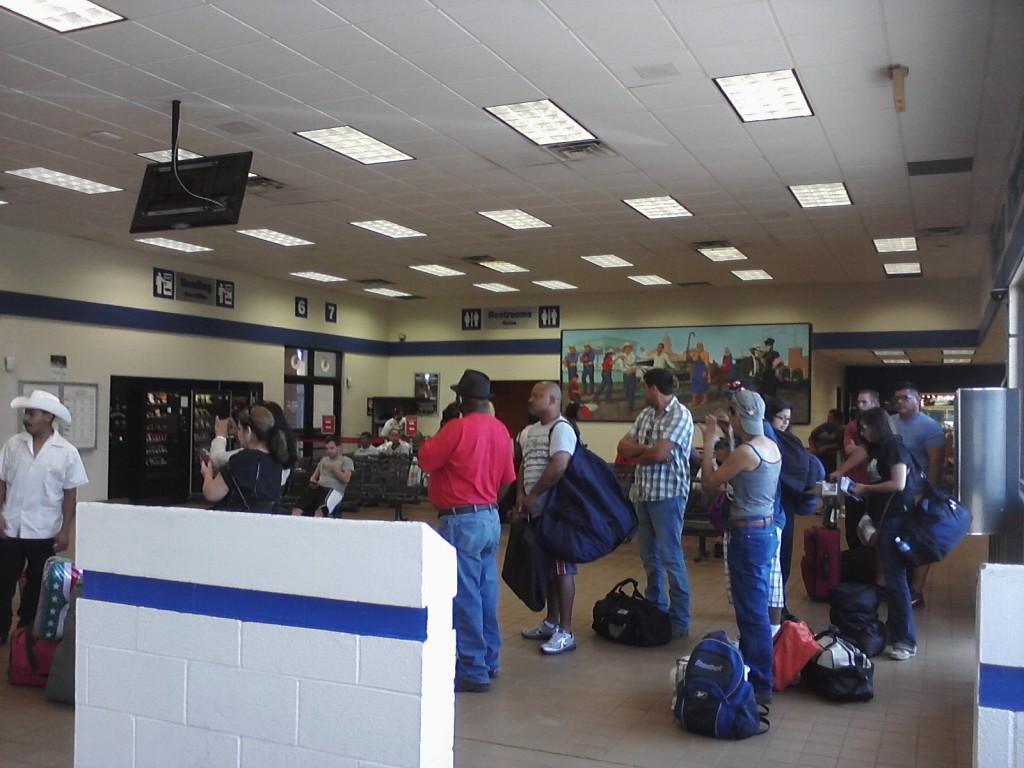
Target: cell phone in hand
<point>845,484</point>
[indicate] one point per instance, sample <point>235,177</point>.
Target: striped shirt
<point>656,482</point>
<point>539,442</point>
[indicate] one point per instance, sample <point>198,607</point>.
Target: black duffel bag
<point>631,619</point>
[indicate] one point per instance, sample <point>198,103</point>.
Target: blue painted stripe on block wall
<point>367,619</point>
<point>1001,687</point>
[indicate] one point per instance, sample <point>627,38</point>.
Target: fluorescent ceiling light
<point>515,219</point>
<point>62,15</point>
<point>723,253</point>
<point>354,144</point>
<point>555,285</point>
<point>388,228</point>
<point>896,361</point>
<point>955,352</point>
<point>3,202</point>
<point>890,353</point>
<point>955,360</point>
<point>649,280</point>
<point>542,122</point>
<point>752,274</point>
<point>436,270</point>
<point>58,179</point>
<point>496,287</point>
<point>391,293</point>
<point>504,267</point>
<point>895,244</point>
<point>902,269</point>
<point>820,195</point>
<point>277,238</point>
<point>175,245</point>
<point>765,95</point>
<point>607,261</point>
<point>320,277</point>
<point>664,207</point>
<point>164,155</point>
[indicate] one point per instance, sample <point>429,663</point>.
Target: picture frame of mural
<point>602,369</point>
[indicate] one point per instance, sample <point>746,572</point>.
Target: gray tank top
<point>753,492</point>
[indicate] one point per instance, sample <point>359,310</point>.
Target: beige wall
<point>77,269</point>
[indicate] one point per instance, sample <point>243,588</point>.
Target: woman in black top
<point>889,501</point>
<point>251,480</point>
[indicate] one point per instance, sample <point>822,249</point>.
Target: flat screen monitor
<point>217,186</point>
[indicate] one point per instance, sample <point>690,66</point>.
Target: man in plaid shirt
<point>660,442</point>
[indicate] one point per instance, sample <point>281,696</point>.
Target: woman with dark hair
<point>251,479</point>
<point>889,501</point>
<point>779,413</point>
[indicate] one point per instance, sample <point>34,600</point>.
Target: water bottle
<point>902,546</point>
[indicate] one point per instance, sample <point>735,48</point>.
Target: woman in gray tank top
<point>753,470</point>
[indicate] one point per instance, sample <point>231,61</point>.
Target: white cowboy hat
<point>41,400</point>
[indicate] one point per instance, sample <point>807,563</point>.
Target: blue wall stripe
<point>367,619</point>
<point>1001,688</point>
<point>73,311</point>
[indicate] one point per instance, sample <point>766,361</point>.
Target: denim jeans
<point>900,624</point>
<point>750,554</point>
<point>659,539</point>
<point>477,635</point>
<point>629,388</point>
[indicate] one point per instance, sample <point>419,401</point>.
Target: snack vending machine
<point>207,407</point>
<point>165,416</point>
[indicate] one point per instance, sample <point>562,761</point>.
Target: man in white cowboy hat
<point>40,473</point>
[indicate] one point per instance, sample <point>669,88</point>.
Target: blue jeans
<point>629,388</point>
<point>477,634</point>
<point>900,624</point>
<point>659,539</point>
<point>750,555</point>
<point>606,386</point>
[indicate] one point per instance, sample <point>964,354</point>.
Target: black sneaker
<point>468,686</point>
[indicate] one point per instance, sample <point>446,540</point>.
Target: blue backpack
<point>714,698</point>
<point>808,504</point>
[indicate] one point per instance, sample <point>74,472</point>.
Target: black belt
<point>751,522</point>
<point>465,509</point>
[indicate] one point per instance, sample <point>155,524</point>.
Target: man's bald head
<point>545,401</point>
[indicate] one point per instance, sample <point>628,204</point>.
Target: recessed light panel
<point>607,261</point>
<point>388,228</point>
<point>320,277</point>
<point>164,155</point>
<point>752,274</point>
<point>895,244</point>
<point>903,269</point>
<point>515,219</point>
<point>277,238</point>
<point>555,285</point>
<point>649,280</point>
<point>723,253</point>
<point>174,245</point>
<point>62,15</point>
<point>3,202</point>
<point>896,361</point>
<point>765,95</point>
<point>58,179</point>
<point>354,144</point>
<point>504,267</point>
<point>890,353</point>
<point>958,352</point>
<point>391,293</point>
<point>436,270</point>
<point>496,287</point>
<point>542,122</point>
<point>821,195</point>
<point>663,207</point>
<point>955,360</point>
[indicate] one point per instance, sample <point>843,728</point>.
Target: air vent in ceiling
<point>942,231</point>
<point>409,298</point>
<point>262,182</point>
<point>374,281</point>
<point>656,71</point>
<point>937,167</point>
<point>582,150</point>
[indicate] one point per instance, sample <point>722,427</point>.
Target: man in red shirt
<point>855,466</point>
<point>470,466</point>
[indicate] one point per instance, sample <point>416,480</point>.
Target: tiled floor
<point>607,705</point>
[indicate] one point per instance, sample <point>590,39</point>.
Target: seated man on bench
<point>326,484</point>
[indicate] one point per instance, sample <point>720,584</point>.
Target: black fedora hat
<point>473,384</point>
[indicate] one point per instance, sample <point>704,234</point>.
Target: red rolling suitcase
<point>821,565</point>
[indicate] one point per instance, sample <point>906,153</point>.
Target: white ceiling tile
<point>130,42</point>
<point>337,47</point>
<point>387,75</point>
<point>356,11</point>
<point>548,50</point>
<point>196,72</point>
<point>416,33</point>
<point>263,59</point>
<point>430,100</point>
<point>492,91</point>
<point>316,87</point>
<point>731,59</point>
<point>647,37</point>
<point>470,63</point>
<point>284,18</point>
<point>64,56</point>
<point>489,20</point>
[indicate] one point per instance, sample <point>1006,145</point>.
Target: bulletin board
<point>81,399</point>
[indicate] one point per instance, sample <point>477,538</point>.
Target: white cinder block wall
<point>226,639</point>
<point>999,716</point>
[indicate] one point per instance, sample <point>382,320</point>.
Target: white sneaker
<point>560,642</point>
<point>541,631</point>
<point>902,654</point>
